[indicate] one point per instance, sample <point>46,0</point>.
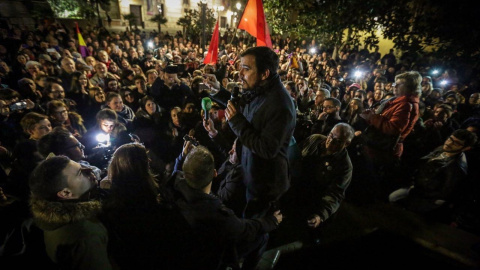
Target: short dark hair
<point>468,137</point>
<point>143,101</point>
<point>54,142</point>
<point>335,101</point>
<point>106,114</point>
<point>47,178</point>
<point>53,105</point>
<point>199,167</point>
<point>265,58</point>
<point>112,95</point>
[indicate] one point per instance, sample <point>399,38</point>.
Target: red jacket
<point>398,117</point>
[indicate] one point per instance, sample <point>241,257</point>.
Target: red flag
<point>212,54</point>
<point>254,22</point>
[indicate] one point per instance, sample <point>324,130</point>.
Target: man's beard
<point>89,195</point>
<point>247,87</point>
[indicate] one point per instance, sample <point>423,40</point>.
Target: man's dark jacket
<point>265,128</point>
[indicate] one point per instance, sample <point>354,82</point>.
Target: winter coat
<point>265,126</point>
<point>216,227</point>
<point>74,238</point>
<point>397,118</point>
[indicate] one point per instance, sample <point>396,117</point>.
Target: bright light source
<point>313,51</point>
<point>358,74</point>
<point>435,72</point>
<point>443,83</point>
<point>103,138</point>
<point>150,44</point>
<point>239,6</point>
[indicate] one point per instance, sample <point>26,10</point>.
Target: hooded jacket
<point>74,238</point>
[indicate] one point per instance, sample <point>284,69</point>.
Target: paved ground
<point>377,236</point>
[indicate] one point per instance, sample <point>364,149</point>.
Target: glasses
<point>79,145</point>
<point>455,142</point>
<point>396,84</point>
<point>328,107</point>
<point>335,141</point>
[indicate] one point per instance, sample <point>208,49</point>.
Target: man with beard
<point>439,177</point>
<point>63,208</point>
<point>264,126</point>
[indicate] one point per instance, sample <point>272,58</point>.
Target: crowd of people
<point>140,155</point>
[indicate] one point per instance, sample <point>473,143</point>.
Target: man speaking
<point>264,127</point>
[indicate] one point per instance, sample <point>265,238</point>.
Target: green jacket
<point>74,238</point>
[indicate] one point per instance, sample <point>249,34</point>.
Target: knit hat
<point>355,85</point>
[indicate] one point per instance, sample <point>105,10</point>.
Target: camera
<point>18,106</point>
<point>203,87</point>
<point>188,138</point>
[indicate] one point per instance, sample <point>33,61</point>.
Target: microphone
<point>206,106</point>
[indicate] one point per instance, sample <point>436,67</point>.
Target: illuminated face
<point>33,70</point>
<point>453,145</point>
<point>440,115</point>
<point>113,85</point>
<point>107,126</point>
<point>60,114</point>
<point>101,69</point>
<point>474,99</point>
<point>91,61</point>
<point>57,92</point>
<point>100,96</point>
<point>83,80</point>
<point>40,129</point>
<point>74,149</point>
<point>399,88</point>
<point>116,104</point>
<point>233,157</point>
<point>152,76</point>
<point>175,117</point>
<point>103,56</point>
<point>319,98</point>
<point>140,84</point>
<point>170,79</point>
<point>79,180</point>
<point>353,105</point>
<point>125,64</point>
<point>336,141</point>
<point>378,95</point>
<point>129,97</point>
<point>68,65</point>
<point>150,107</point>
<point>379,86</point>
<point>22,59</point>
<point>248,72</point>
<point>329,107</point>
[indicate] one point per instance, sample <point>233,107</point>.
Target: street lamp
<point>204,19</point>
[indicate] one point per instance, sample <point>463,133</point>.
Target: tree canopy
<point>192,22</point>
<point>449,29</point>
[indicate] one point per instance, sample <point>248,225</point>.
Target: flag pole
<point>236,28</point>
